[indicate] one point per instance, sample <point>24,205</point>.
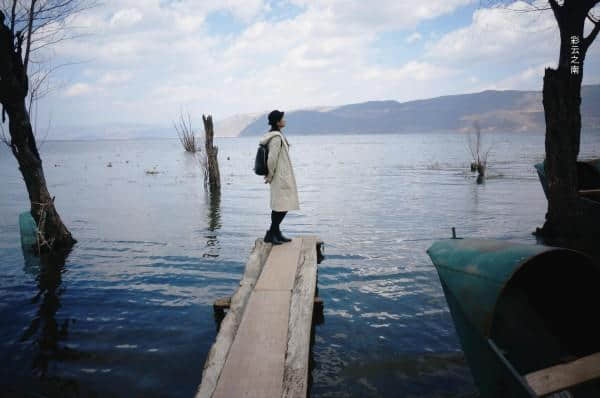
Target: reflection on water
<point>129,311</point>
<point>45,335</point>
<point>43,331</point>
<point>412,372</point>
<point>213,198</point>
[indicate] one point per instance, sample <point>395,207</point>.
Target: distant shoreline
<point>453,132</point>
<point>499,111</point>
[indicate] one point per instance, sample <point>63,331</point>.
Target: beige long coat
<point>284,193</point>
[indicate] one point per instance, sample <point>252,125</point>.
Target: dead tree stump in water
<point>480,173</point>
<point>214,177</point>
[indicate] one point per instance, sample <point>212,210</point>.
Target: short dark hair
<point>274,117</point>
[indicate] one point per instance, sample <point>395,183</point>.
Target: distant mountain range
<point>233,125</point>
<point>516,111</point>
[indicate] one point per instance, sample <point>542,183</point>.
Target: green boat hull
<point>516,309</point>
<point>588,177</point>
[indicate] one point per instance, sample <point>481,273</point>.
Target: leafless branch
<point>472,148</point>
<point>56,40</point>
<point>29,29</point>
<point>37,25</point>
<point>13,15</point>
<point>42,23</point>
<point>587,42</point>
<point>479,155</point>
<point>486,154</point>
<point>475,141</point>
<point>36,80</point>
<point>185,132</point>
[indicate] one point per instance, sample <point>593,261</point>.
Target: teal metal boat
<point>524,315</point>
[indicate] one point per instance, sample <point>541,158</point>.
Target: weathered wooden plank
<point>295,377</point>
<point>229,326</point>
<point>562,376</point>
<point>280,269</point>
<point>224,303</point>
<point>254,366</point>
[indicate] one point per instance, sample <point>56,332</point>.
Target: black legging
<point>276,219</point>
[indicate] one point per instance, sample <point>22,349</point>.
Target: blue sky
<point>144,61</point>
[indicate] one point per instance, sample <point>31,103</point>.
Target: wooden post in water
<point>214,177</point>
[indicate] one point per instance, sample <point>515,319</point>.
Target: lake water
<point>129,313</point>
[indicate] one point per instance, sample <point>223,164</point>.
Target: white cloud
<point>501,39</point>
<point>115,77</point>
<point>500,35</point>
<point>383,14</point>
<point>530,78</point>
<point>126,17</point>
<point>77,89</point>
<point>245,10</point>
<point>324,55</point>
<point>420,71</point>
<point>416,36</point>
<point>321,56</point>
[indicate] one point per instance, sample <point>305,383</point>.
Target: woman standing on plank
<point>280,176</point>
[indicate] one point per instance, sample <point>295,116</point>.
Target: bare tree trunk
<point>53,235</point>
<point>563,125</point>
<point>214,177</point>
<point>562,101</point>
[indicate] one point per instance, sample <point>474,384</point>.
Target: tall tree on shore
<point>26,27</point>
<point>562,102</point>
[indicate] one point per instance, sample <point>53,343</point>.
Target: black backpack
<point>260,163</point>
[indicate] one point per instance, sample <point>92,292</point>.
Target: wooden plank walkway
<point>263,345</point>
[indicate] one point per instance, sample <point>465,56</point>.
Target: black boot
<point>270,237</point>
<point>281,237</point>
